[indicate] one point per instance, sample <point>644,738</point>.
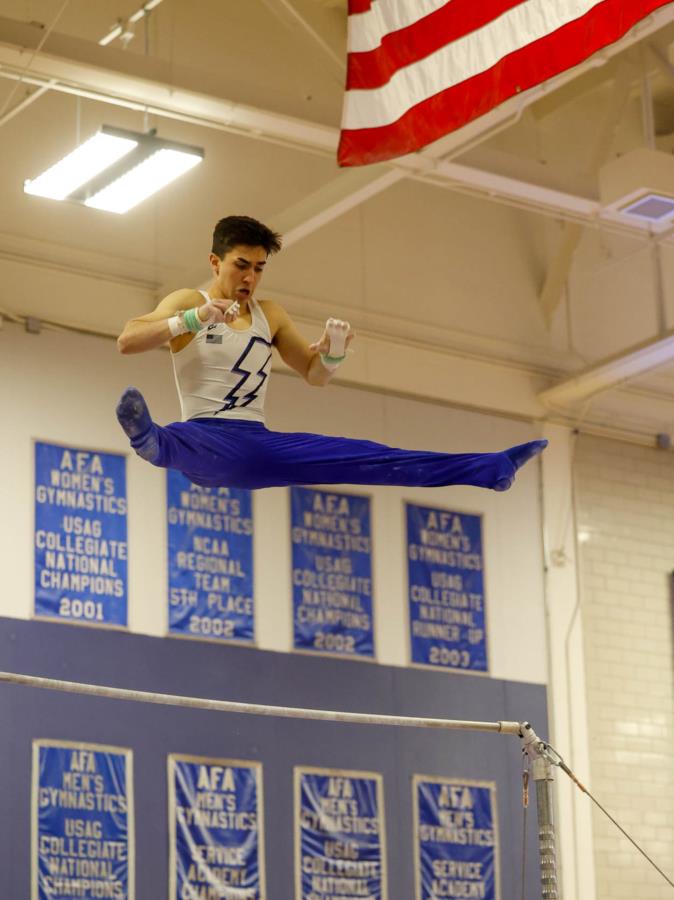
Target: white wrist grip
<point>337,332</point>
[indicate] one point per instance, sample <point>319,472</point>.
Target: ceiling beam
<point>349,189</point>
<point>491,184</point>
<point>109,74</point>
<point>558,270</point>
<point>610,373</point>
<point>660,57</point>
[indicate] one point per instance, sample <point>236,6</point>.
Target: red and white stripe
<point>419,69</point>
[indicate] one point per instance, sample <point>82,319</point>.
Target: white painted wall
<point>626,525</point>
<point>61,387</point>
<point>566,676</point>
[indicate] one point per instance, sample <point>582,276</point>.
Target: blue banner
<point>82,821</point>
<point>340,835</point>
<point>216,829</point>
<point>446,589</point>
<point>80,535</point>
<point>210,561</point>
<point>331,572</point>
<point>456,839</point>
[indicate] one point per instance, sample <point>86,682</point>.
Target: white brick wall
<point>625,497</point>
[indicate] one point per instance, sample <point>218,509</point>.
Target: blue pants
<point>235,453</point>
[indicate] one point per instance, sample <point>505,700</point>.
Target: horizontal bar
<point>256,709</point>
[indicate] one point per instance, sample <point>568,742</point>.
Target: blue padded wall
<point>236,673</point>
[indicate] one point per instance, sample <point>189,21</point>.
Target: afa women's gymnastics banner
<point>83,838</point>
<point>210,561</point>
<point>80,535</point>
<point>445,566</point>
<point>339,835</point>
<point>216,829</point>
<point>331,572</point>
<point>455,838</point>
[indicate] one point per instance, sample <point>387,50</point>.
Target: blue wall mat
<point>242,673</point>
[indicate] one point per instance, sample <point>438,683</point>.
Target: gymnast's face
<point>237,274</point>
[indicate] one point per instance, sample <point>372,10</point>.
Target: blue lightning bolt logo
<point>234,399</point>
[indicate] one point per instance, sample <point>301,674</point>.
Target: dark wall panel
<point>236,673</point>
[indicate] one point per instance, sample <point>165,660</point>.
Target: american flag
<point>419,69</point>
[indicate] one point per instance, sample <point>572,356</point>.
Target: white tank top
<point>223,373</point>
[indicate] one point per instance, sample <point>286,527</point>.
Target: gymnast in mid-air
<point>221,347</point>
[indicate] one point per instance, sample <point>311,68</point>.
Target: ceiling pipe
<point>118,30</point>
<point>26,102</point>
<point>52,84</point>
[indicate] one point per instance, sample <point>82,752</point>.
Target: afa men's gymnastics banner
<point>332,572</point>
<point>210,553</point>
<point>339,835</point>
<point>80,535</point>
<point>216,829</point>
<point>455,839</point>
<point>445,567</point>
<point>83,839</point>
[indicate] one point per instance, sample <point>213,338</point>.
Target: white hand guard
<point>234,310</point>
<point>208,313</point>
<point>337,332</point>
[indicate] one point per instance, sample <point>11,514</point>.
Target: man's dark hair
<point>234,230</point>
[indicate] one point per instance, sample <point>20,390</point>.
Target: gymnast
<point>221,347</point>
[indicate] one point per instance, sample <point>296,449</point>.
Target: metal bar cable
<point>563,766</point>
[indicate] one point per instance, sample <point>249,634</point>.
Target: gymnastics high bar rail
<point>541,755</point>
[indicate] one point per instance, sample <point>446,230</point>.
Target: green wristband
<point>332,360</point>
<point>192,320</point>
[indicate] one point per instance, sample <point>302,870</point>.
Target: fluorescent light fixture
<point>145,179</point>
<point>80,166</point>
<point>115,170</point>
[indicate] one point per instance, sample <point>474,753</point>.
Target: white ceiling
<point>484,262</point>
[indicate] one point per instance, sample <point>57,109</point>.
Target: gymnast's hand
<point>336,337</point>
<point>215,311</point>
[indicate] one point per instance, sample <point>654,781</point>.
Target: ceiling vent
<point>638,188</point>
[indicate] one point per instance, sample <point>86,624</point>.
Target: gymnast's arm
<point>308,360</point>
<point>152,330</point>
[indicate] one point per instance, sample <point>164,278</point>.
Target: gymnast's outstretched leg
<point>298,458</point>
<point>231,453</point>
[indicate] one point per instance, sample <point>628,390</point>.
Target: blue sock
<point>518,456</point>
<point>134,417</point>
